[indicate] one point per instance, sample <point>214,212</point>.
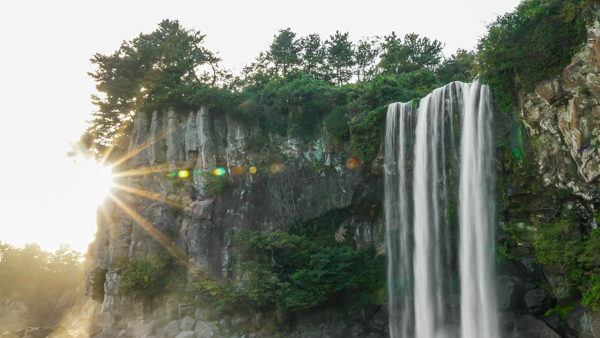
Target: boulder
<point>205,330</point>
<point>506,293</point>
<point>537,301</point>
<point>185,334</point>
<point>172,329</point>
<point>187,323</point>
<point>549,91</point>
<point>530,327</point>
<point>146,329</point>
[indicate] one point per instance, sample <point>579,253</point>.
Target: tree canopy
<point>168,68</point>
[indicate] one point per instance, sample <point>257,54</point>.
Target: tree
<point>365,53</point>
<point>152,72</point>
<point>313,56</point>
<point>284,51</point>
<point>458,67</point>
<point>412,54</point>
<point>339,57</point>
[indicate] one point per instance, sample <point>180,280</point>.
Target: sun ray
<point>148,194</point>
<point>144,170</point>
<point>173,249</point>
<point>140,148</point>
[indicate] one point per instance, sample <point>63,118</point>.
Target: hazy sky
<point>45,91</point>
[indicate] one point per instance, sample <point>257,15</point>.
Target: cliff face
<point>561,138</point>
<point>154,208</point>
<point>562,116</point>
<point>158,208</point>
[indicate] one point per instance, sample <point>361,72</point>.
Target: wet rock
<point>580,321</point>
<point>185,334</point>
<point>537,301</point>
<point>506,293</point>
<point>530,327</point>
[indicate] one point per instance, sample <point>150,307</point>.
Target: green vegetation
<point>289,272</point>
<point>559,245</point>
<point>533,43</point>
<point>98,277</point>
<point>38,278</point>
<point>147,277</point>
<point>299,87</point>
<point>216,184</point>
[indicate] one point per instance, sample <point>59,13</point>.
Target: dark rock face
<point>563,118</point>
<point>152,211</point>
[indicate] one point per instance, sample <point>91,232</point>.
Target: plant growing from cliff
<point>148,276</point>
<point>577,256</point>
<point>532,43</point>
<point>291,272</point>
<point>98,277</point>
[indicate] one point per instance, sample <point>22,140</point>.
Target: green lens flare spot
<point>218,171</point>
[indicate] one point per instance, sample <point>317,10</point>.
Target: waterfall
<point>397,218</point>
<point>439,215</point>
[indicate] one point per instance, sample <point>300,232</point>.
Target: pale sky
<point>45,91</point>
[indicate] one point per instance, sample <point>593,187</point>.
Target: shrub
<point>147,277</point>
<point>533,43</point>
<point>98,278</point>
<point>290,272</point>
<point>560,245</point>
<point>366,133</point>
<point>215,184</point>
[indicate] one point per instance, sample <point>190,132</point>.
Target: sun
<point>97,179</point>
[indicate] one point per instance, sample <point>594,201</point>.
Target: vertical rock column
<point>139,138</point>
<point>175,141</point>
<point>157,150</point>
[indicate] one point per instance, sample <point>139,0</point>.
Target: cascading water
<point>438,248</point>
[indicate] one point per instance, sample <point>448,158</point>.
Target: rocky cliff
<point>168,199</point>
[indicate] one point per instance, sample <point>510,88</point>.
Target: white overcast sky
<point>45,91</point>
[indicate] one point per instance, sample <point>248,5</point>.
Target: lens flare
<point>276,168</point>
<point>218,171</point>
<point>184,173</point>
<point>252,170</point>
<point>352,163</point>
<point>237,170</point>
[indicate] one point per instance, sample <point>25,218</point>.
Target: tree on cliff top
<point>412,54</point>
<point>152,72</point>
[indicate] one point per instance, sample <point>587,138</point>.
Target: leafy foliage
<point>147,277</point>
<point>530,44</point>
<point>340,57</point>
<point>284,51</point>
<point>152,72</point>
<point>38,278</point>
<point>292,272</point>
<point>412,54</point>
<point>559,245</point>
<point>98,277</point>
<point>296,88</point>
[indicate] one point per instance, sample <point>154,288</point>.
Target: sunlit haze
<point>49,198</point>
